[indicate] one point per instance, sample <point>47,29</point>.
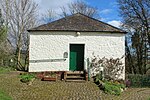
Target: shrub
<point>138,80</point>
<point>98,77</point>
<point>26,77</point>
<point>112,68</point>
<point>112,88</point>
<point>122,86</point>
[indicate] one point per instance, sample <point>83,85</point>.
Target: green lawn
<point>4,96</point>
<point>5,70</point>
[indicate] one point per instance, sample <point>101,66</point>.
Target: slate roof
<point>78,22</point>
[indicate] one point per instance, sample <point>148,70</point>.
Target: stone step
<point>75,72</point>
<point>75,77</point>
<point>75,81</point>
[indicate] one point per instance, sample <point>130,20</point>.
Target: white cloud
<point>115,23</point>
<point>105,11</point>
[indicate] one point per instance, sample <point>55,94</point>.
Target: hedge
<point>138,80</point>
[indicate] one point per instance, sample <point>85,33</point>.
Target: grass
<point>5,69</point>
<point>4,96</point>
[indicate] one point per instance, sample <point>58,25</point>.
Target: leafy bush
<point>26,77</point>
<point>138,80</point>
<point>121,86</point>
<point>112,89</point>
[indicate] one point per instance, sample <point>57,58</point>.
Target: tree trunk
<point>27,59</point>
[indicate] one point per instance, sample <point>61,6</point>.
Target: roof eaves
<point>75,31</point>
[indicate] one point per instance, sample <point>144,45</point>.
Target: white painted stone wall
<point>52,45</point>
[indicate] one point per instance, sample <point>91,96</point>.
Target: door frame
<point>71,43</point>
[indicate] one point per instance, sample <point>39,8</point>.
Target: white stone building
<point>67,43</point>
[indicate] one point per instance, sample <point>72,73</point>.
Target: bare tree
<point>136,18</point>
<point>64,11</point>
<point>20,15</point>
<point>49,16</point>
<point>2,28</point>
<point>136,14</point>
<point>80,7</point>
<point>72,8</point>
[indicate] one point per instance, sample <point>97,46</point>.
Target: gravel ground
<point>44,90</point>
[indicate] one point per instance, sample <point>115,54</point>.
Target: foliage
<point>98,77</point>
<point>112,89</point>
<point>26,77</point>
<point>113,68</point>
<point>4,96</point>
<point>3,34</point>
<point>7,60</point>
<point>5,50</point>
<point>138,80</point>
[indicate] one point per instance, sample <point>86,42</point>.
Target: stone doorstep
<point>75,77</point>
<point>71,75</point>
<point>75,80</point>
<point>75,72</point>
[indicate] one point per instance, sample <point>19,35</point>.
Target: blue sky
<point>108,9</point>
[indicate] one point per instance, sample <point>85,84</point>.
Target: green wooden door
<point>76,57</point>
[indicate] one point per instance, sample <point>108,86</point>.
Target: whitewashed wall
<point>52,45</point>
